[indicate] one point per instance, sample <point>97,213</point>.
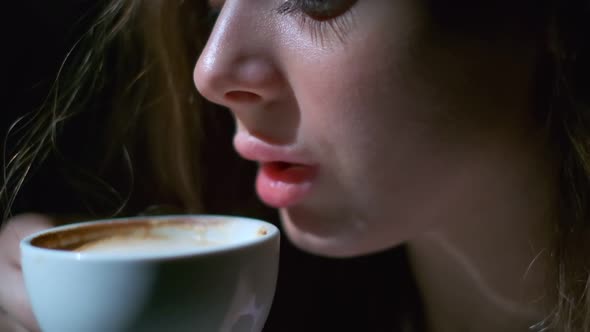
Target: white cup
<point>224,283</point>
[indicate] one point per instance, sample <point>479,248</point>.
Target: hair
<point>137,58</point>
<point>132,64</point>
<point>568,117</point>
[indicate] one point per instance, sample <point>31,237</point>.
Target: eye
<point>323,10</point>
<point>326,19</point>
<point>319,10</point>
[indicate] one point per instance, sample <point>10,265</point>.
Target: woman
<point>378,123</point>
<point>455,129</point>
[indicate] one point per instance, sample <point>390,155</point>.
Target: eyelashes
<point>325,19</point>
<point>320,10</point>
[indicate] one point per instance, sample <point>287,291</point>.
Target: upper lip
<point>253,148</point>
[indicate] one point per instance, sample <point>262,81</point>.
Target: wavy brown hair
<point>138,56</point>
<point>133,63</point>
<point>568,116</point>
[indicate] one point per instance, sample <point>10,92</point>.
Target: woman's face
<point>372,120</point>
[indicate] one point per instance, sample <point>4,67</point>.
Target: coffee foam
<point>133,244</point>
<point>141,235</point>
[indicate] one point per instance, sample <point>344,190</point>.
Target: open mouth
<point>282,184</point>
<point>287,172</point>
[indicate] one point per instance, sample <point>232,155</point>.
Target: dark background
<point>313,294</point>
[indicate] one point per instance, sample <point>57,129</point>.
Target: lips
<point>281,185</point>
<point>287,173</point>
<point>284,178</point>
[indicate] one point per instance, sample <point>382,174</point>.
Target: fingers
<point>14,299</point>
<point>9,324</point>
<point>15,230</point>
<point>13,296</point>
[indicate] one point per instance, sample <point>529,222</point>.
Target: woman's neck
<point>486,265</point>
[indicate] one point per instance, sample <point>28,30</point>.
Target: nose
<point>239,70</point>
<point>229,76</point>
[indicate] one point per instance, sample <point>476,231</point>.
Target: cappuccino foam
<point>130,244</point>
<point>150,235</point>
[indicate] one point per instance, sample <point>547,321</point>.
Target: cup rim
<point>26,245</point>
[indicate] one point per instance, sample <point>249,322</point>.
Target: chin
<point>345,239</point>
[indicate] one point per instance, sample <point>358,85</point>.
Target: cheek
<point>369,133</point>
<point>365,108</point>
<point>394,116</point>
<point>383,127</point>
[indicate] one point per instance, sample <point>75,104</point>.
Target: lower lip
<point>282,185</point>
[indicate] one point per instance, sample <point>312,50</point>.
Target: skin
<point>423,134</point>
<point>15,313</point>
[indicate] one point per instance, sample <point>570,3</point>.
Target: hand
<point>15,309</point>
<point>9,324</point>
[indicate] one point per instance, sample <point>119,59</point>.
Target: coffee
<point>146,242</point>
<point>169,273</point>
<point>143,236</point>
